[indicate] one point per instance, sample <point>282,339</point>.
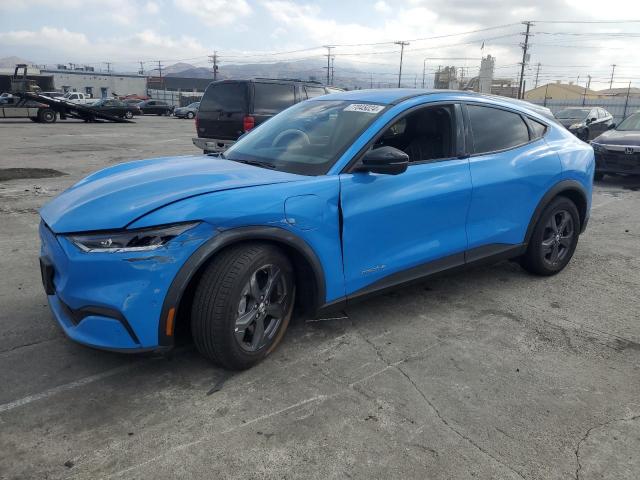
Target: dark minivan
<point>230,108</point>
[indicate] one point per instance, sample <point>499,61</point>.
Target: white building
<point>98,84</point>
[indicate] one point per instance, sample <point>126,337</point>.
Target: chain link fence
<point>619,107</point>
<point>177,99</point>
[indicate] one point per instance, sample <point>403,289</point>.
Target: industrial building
<point>562,91</point>
<point>96,84</point>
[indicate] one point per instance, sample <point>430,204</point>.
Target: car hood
<point>116,196</point>
<point>617,137</point>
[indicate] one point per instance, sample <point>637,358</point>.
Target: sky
<point>439,32</point>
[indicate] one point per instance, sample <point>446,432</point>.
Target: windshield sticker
<point>364,107</point>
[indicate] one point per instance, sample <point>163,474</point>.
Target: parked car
<point>116,108</point>
<point>229,108</point>
<point>155,107</point>
<point>79,98</point>
<point>585,122</point>
<point>189,111</point>
<point>331,200</point>
<point>618,149</point>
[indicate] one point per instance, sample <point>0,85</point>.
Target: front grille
<point>618,160</point>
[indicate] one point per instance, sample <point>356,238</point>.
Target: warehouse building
<point>97,84</point>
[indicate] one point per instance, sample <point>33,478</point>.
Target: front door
<point>399,227</point>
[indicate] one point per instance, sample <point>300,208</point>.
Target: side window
<point>314,91</point>
<point>602,113</point>
<point>495,129</point>
<point>271,98</point>
<point>425,135</point>
<point>537,129</point>
<point>151,104</point>
<point>73,97</point>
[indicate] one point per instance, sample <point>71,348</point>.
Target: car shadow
<point>628,182</point>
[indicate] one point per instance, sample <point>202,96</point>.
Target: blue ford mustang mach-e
<point>333,199</point>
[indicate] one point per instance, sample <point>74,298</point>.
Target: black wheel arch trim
<point>224,239</point>
<point>558,189</point>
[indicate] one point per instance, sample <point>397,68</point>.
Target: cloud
<point>382,6</point>
<point>152,8</point>
<point>215,12</point>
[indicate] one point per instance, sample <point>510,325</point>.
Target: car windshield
<point>306,138</point>
<point>630,123</point>
<point>572,113</point>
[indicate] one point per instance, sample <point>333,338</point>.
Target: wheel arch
<point>306,264</point>
<point>571,189</point>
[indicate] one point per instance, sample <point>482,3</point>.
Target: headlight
<point>130,240</point>
<point>575,126</point>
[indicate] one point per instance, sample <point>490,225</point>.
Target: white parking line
<point>62,388</point>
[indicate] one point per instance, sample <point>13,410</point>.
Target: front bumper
<point>617,159</point>
<point>212,145</point>
<point>112,301</point>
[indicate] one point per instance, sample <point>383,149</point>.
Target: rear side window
<point>228,97</point>
<point>314,91</point>
<point>537,129</point>
<point>271,98</point>
<point>495,129</point>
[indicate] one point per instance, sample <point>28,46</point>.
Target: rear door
<point>270,99</point>
<point>511,167</point>
<point>222,110</point>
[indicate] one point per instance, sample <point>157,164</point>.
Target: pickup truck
<point>78,98</point>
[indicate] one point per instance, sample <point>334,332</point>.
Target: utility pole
<point>141,68</point>
<point>108,64</point>
<point>626,102</point>
<point>332,68</point>
<point>613,69</point>
<point>402,44</point>
<point>586,87</point>
<point>328,67</point>
<point>213,59</point>
<point>160,68</point>
<point>424,70</point>
<point>537,73</point>
<point>525,47</point>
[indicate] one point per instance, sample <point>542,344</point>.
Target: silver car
<point>187,112</point>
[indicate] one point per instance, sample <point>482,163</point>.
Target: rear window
<point>271,98</point>
<point>537,129</point>
<point>228,97</point>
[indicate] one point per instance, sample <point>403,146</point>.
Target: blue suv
<point>331,200</point>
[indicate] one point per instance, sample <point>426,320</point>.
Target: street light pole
<point>402,44</point>
<point>424,69</point>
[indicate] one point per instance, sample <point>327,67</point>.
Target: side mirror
<point>387,160</point>
<point>612,126</point>
<point>591,120</point>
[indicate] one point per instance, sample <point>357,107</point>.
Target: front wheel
<point>554,238</point>
<point>190,115</point>
<point>242,305</point>
<point>46,115</point>
<point>128,114</point>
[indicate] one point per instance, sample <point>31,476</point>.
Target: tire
<point>598,176</point>
<point>128,114</point>
<point>554,238</point>
<point>228,309</point>
<point>46,115</point>
<point>190,115</point>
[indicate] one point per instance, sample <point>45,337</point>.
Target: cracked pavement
<point>489,373</point>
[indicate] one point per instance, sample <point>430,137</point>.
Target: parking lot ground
<point>489,373</point>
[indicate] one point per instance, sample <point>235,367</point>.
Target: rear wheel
<point>128,114</point>
<point>554,238</point>
<point>190,115</point>
<point>242,305</point>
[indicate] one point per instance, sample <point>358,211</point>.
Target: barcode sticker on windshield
<point>364,107</point>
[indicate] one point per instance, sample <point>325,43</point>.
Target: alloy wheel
<point>557,237</point>
<point>262,307</point>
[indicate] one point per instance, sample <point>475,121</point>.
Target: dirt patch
<point>19,173</point>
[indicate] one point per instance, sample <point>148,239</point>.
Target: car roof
<point>394,96</point>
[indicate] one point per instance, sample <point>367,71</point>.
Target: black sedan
<point>115,108</point>
<point>618,149</point>
<point>585,122</point>
<point>155,107</point>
